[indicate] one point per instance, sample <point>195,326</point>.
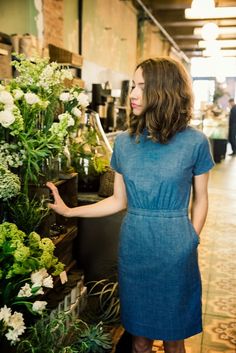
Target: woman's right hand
<point>58,206</point>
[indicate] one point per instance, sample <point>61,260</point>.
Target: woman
<point>157,162</point>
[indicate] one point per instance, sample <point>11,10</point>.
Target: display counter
<point>216,129</point>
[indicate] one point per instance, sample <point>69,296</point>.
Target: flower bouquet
<point>37,114</point>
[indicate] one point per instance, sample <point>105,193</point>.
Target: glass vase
<point>92,143</point>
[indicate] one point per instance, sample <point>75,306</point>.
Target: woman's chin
<point>137,111</point>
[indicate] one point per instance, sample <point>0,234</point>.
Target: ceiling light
<point>200,4</point>
<point>230,52</point>
<point>210,31</point>
<point>206,11</point>
<point>212,52</point>
<point>230,43</point>
<point>222,30</point>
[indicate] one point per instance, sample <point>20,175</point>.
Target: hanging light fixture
<point>222,30</point>
<point>228,43</point>
<point>210,31</point>
<point>202,4</point>
<point>202,9</point>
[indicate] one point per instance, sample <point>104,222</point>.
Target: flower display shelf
<point>64,56</point>
<point>68,191</point>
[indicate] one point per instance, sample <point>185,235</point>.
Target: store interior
<point>66,68</point>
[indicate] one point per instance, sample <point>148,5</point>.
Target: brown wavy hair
<point>168,100</point>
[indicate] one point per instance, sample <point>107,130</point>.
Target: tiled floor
<point>217,255</point>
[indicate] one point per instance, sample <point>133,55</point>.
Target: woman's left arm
<point>199,201</point>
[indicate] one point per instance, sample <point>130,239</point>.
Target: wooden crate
<point>5,61</point>
<point>75,82</point>
<point>64,56</point>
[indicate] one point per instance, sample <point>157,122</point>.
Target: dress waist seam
<point>158,212</point>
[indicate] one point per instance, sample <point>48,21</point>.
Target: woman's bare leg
<point>174,346</point>
<point>141,345</point>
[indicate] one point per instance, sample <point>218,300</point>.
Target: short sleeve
<point>203,158</point>
<point>115,158</point>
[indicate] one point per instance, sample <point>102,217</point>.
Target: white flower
<point>25,291</point>
<point>18,93</point>
<point>83,99</point>
<point>77,112</point>
<point>2,88</point>
<point>12,335</point>
<point>6,98</point>
<point>66,117</point>
<point>17,322</point>
<point>71,121</point>
<point>66,74</point>
<point>38,277</point>
<point>39,306</point>
<point>65,96</point>
<point>31,98</point>
<point>48,282</point>
<point>6,118</point>
<point>5,314</point>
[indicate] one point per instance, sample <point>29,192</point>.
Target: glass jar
<point>90,152</point>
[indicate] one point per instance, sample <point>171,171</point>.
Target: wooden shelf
<point>65,57</point>
<point>72,232</point>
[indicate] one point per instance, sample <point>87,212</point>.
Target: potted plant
<point>63,334</point>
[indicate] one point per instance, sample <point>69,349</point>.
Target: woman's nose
<point>134,93</point>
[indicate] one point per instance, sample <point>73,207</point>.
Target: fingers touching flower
<point>39,306</point>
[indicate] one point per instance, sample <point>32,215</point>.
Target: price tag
<point>63,277</point>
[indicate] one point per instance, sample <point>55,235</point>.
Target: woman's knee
<point>174,346</point>
<point>142,345</point>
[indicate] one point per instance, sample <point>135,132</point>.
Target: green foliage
<point>62,334</point>
<point>9,183</point>
<point>27,213</point>
<point>93,339</point>
<point>103,303</point>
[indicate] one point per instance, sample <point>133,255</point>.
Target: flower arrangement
<point>25,264</point>
<point>37,113</point>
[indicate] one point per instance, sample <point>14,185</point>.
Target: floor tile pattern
<point>217,258</point>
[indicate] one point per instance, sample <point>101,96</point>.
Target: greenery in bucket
<point>63,334</point>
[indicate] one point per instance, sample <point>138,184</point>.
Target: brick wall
<point>53,11</point>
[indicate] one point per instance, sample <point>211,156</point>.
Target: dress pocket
<point>193,232</point>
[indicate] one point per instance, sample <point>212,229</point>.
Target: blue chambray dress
<point>159,279</point>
